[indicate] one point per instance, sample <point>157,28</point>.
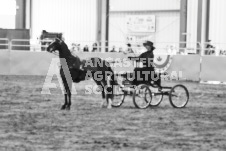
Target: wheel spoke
<point>179,96</point>
<point>157,97</point>
<point>118,97</point>
<point>142,96</point>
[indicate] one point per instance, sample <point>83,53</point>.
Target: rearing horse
<point>78,71</point>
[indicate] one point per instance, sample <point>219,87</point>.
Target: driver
<point>146,73</point>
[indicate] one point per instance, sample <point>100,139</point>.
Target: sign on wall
<point>140,23</point>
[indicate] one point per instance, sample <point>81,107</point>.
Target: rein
<point>56,54</point>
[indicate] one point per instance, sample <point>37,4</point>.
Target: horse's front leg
<point>66,89</point>
<point>65,101</point>
<point>68,107</point>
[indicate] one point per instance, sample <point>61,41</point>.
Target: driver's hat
<point>148,43</point>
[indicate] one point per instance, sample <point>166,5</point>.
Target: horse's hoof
<point>109,107</point>
<point>63,107</point>
<point>68,108</point>
<point>102,105</point>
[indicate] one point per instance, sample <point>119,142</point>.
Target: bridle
<point>56,54</point>
<point>53,52</point>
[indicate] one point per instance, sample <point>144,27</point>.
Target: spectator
<point>120,49</point>
<point>129,49</point>
<point>210,49</point>
<point>113,49</point>
<point>222,52</point>
<point>86,48</point>
<point>171,50</point>
<point>73,48</point>
<point>94,47</point>
<point>78,47</point>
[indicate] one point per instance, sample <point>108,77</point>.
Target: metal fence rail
<point>199,67</point>
<point>4,44</point>
<point>164,48</point>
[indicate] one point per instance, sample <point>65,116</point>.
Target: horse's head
<point>55,45</point>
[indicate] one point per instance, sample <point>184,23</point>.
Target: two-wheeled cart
<point>144,97</point>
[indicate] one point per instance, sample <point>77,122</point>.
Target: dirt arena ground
<point>30,120</point>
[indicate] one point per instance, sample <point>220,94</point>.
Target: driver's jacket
<point>147,59</point>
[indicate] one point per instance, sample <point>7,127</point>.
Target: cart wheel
<point>118,97</point>
<point>142,96</point>
<point>179,96</point>
<point>156,98</point>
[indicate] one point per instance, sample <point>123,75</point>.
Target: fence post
<point>10,45</point>
<point>199,48</point>
<point>202,49</point>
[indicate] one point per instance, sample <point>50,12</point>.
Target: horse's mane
<point>64,48</point>
<point>67,55</point>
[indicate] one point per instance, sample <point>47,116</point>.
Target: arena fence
<point>4,44</point>
<point>192,67</point>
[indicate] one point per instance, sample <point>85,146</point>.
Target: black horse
<point>78,70</point>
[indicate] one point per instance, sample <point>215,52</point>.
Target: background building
<point>129,21</point>
<point>89,21</point>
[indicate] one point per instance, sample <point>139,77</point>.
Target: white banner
<point>140,23</point>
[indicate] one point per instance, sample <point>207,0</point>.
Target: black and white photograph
<point>112,75</point>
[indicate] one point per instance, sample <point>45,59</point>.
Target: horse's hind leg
<point>108,90</point>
